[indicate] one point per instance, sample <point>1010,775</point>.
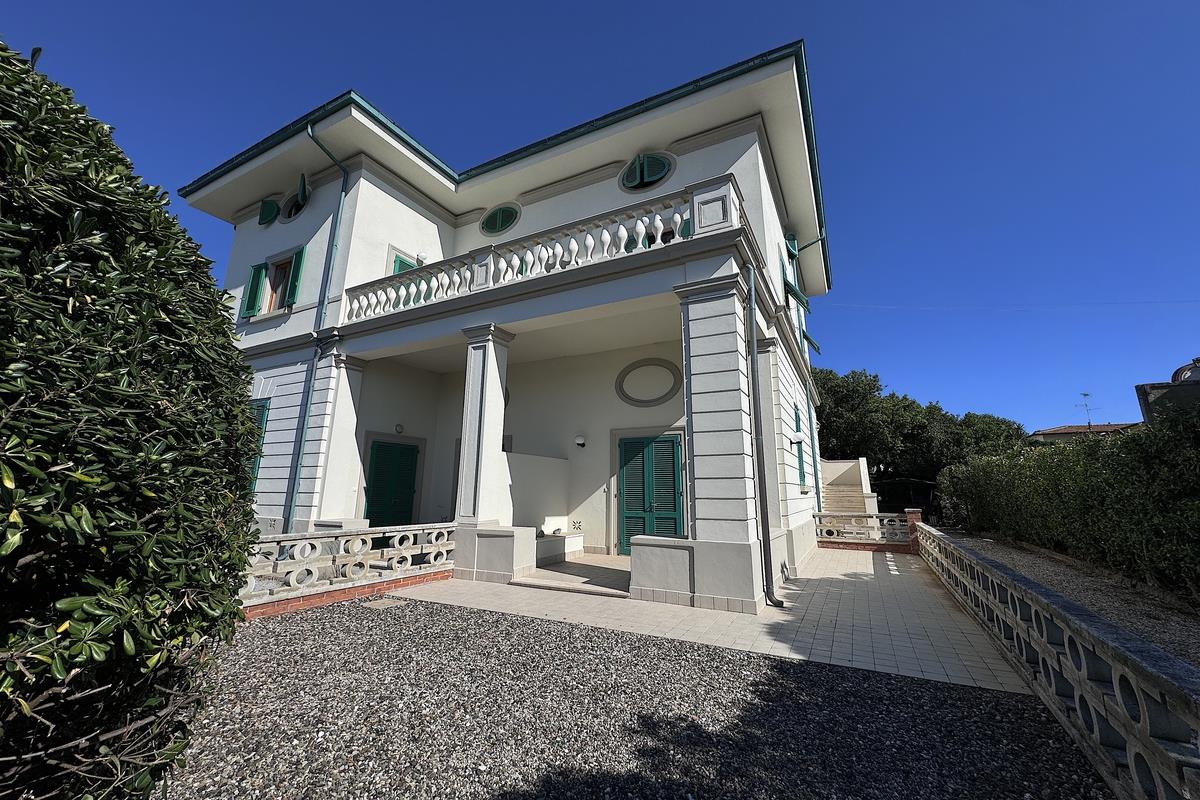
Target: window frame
<point>639,161</point>
<point>395,254</point>
<point>266,291</point>
<point>496,209</point>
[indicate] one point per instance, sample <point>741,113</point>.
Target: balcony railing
<point>652,224</point>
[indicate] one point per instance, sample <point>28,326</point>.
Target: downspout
<point>812,431</point>
<point>310,375</point>
<point>760,471</point>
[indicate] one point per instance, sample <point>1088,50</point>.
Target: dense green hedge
<point>1128,501</point>
<point>125,453</point>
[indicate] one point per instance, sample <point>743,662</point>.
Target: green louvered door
<point>391,484</point>
<point>650,489</point>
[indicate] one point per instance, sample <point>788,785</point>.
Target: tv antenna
<point>1087,407</point>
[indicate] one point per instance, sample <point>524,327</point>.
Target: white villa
<point>595,344</point>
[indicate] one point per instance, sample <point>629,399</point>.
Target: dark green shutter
<point>811,343</point>
<point>268,212</point>
<point>799,445</point>
<point>252,294</point>
<point>302,191</point>
<point>499,219</point>
<point>666,495</point>
<point>631,178</point>
<point>391,484</point>
<point>654,169</point>
<point>293,284</point>
<point>401,264</point>
<point>650,488</point>
<point>632,491</point>
<point>260,409</point>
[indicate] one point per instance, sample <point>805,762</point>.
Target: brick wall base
<point>286,606</point>
<point>912,548</point>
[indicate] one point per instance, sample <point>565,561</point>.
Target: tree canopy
<point>126,452</point>
<point>905,443</point>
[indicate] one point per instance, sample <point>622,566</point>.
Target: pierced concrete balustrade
<point>300,564</point>
<point>650,224</point>
<point>863,527</point>
<point>1133,708</point>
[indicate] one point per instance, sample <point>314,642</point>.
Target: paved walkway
<point>879,611</point>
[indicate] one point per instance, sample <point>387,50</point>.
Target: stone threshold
<point>565,586</point>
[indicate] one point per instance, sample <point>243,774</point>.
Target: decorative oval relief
<point>649,382</point>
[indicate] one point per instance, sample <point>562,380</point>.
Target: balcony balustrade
<point>652,224</point>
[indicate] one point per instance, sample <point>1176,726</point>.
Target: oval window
<point>645,171</point>
<point>500,219</point>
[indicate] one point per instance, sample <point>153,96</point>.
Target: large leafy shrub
<point>125,453</point>
<point>1127,501</point>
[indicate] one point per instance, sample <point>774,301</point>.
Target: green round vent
<point>646,170</point>
<point>499,219</point>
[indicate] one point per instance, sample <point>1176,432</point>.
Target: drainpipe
<point>310,375</point>
<point>760,470</point>
<point>812,429</point>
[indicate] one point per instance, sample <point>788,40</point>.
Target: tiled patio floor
<point>879,611</point>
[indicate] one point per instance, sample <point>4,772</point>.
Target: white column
<point>717,405</point>
<point>484,483</point>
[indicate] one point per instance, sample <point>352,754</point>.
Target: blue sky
<point>1012,189</point>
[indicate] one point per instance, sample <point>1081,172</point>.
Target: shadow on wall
<point>817,731</point>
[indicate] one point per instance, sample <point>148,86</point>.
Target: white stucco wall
<point>255,244</point>
<point>382,215</point>
<point>797,506</point>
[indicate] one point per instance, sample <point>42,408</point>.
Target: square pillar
<point>343,471</point>
<point>720,566</point>
<point>484,483</point>
<point>716,402</point>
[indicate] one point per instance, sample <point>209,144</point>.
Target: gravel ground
<point>424,700</point>
<point>1173,626</point>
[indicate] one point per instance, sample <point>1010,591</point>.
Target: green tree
<point>906,444</point>
<point>126,447</point>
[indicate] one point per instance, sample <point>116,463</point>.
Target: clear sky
<point>1012,188</point>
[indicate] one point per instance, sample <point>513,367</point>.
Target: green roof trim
<point>298,126</point>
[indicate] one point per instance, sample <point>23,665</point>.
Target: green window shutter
<point>293,285</point>
<point>799,444</point>
<point>302,191</point>
<point>499,219</point>
<point>401,264</point>
<point>259,410</point>
<point>631,178</point>
<point>268,212</point>
<point>811,343</point>
<point>654,169</point>
<point>252,294</point>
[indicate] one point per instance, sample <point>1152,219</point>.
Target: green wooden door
<point>391,483</point>
<point>649,489</point>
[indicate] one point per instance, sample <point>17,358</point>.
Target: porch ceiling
<point>646,321</point>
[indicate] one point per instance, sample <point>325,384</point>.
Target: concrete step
<point>565,586</point>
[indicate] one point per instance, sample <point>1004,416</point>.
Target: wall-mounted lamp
<point>399,429</point>
<point>580,441</point>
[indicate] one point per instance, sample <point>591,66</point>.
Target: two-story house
<point>601,335</point>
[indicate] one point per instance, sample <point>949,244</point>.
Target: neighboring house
<point>560,339</point>
<point>1064,433</point>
